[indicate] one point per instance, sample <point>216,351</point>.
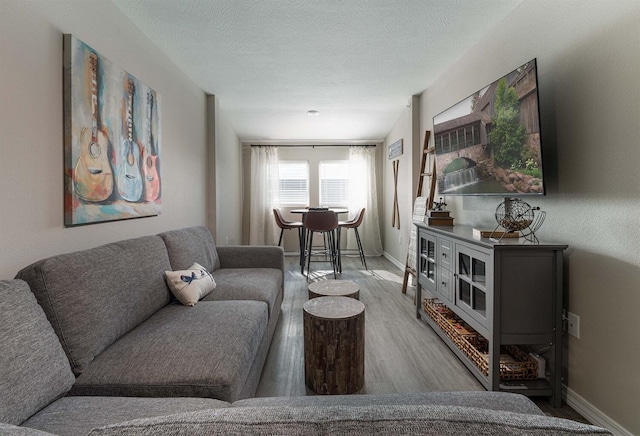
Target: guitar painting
<point>150,173</point>
<point>112,140</point>
<point>92,176</point>
<point>129,175</point>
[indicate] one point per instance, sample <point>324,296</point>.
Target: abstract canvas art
<point>111,140</point>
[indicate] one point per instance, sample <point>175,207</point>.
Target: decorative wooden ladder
<point>426,152</point>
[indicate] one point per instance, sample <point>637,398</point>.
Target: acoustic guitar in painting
<point>93,176</point>
<point>129,175</point>
<point>150,158</point>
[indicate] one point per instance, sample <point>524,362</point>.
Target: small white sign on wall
<point>395,149</point>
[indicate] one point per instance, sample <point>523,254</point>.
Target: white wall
<point>589,82</point>
<point>407,128</point>
<point>229,184</point>
<point>31,129</point>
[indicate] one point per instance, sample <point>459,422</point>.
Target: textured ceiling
<point>355,61</point>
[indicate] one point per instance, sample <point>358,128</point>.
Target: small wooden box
<point>439,218</point>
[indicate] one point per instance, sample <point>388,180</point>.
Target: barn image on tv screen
<point>489,143</point>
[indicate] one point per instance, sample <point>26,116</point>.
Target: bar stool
<point>287,225</point>
<point>353,223</point>
<point>325,222</point>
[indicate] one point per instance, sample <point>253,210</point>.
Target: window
<point>294,182</point>
<point>334,182</point>
<point>438,142</point>
<point>445,143</point>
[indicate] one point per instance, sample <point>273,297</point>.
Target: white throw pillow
<point>190,285</point>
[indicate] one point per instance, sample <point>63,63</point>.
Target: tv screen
<point>489,143</point>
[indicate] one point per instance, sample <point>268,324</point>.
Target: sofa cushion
<point>188,245</point>
<point>353,421</point>
<point>94,297</point>
<point>75,416</point>
<point>260,284</point>
<point>190,285</point>
<point>34,370</point>
<point>501,401</point>
<point>14,430</point>
<point>202,351</point>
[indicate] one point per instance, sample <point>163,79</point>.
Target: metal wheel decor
<point>515,215</point>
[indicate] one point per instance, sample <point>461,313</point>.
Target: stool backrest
<point>280,221</point>
<point>321,221</point>
<point>357,220</point>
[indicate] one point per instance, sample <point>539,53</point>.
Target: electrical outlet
<point>400,239</point>
<point>573,325</point>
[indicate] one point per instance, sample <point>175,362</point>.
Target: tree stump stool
<point>333,345</point>
<point>334,288</point>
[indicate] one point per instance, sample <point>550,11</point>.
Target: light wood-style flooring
<point>402,354</point>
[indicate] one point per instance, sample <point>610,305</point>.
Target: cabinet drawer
<point>445,256</point>
<point>445,285</point>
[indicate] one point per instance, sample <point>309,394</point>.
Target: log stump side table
<point>333,345</point>
<point>334,288</point>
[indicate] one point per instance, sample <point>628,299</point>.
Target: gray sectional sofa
<point>91,343</point>
<point>113,313</point>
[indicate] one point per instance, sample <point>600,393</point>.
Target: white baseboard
<point>594,415</point>
<point>394,261</point>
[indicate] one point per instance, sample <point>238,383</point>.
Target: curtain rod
<point>313,145</point>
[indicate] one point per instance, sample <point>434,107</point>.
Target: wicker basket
<point>453,326</point>
<point>515,363</point>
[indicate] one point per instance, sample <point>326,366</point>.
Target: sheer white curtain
<point>363,193</point>
<point>264,196</point>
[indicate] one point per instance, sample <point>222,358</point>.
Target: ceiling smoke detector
<point>313,113</point>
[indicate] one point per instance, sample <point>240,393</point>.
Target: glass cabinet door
<point>427,261</point>
<point>471,281</point>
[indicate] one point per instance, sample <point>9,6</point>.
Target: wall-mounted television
<point>489,143</point>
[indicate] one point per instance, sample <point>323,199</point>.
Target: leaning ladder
<point>428,153</point>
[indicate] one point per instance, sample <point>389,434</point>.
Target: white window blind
<point>294,182</point>
<point>334,182</point>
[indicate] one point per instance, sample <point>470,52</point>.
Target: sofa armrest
<point>251,256</point>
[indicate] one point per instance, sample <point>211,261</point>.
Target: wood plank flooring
<point>402,354</point>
